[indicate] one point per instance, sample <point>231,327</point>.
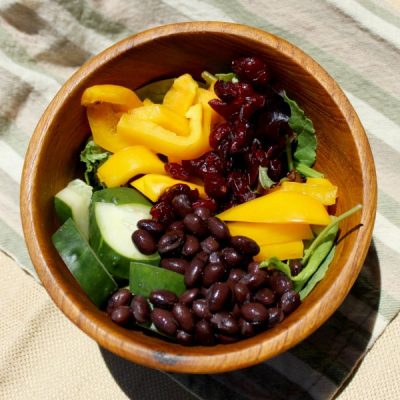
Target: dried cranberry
<point>163,212</point>
<point>275,169</point>
<point>242,136</point>
<point>251,105</point>
<point>170,193</point>
<point>228,91</point>
<point>215,185</point>
<point>208,203</point>
<point>209,162</point>
<point>227,110</point>
<point>177,171</point>
<point>221,131</point>
<point>238,182</point>
<point>251,69</point>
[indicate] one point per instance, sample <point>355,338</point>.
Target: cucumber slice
<point>83,263</point>
<point>73,202</point>
<point>114,214</point>
<point>144,278</point>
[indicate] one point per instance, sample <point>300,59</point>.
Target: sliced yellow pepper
<point>154,185</point>
<point>181,95</point>
<point>283,251</point>
<point>116,95</point>
<point>161,140</point>
<point>127,163</point>
<point>147,102</point>
<point>326,194</point>
<point>103,122</point>
<point>271,233</point>
<point>163,116</point>
<point>279,207</point>
<point>319,181</point>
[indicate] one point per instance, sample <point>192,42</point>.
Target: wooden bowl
<point>167,51</point>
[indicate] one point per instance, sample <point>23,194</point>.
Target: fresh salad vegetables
<point>201,204</point>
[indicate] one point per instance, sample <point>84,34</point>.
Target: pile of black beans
<point>228,296</point>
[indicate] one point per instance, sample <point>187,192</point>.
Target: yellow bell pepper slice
<point>103,122</point>
<point>163,116</point>
<point>181,95</point>
<point>127,163</point>
<point>283,251</point>
<point>279,207</point>
<point>326,194</point>
<point>154,185</point>
<point>271,233</point>
<point>319,181</point>
<point>163,141</point>
<point>147,102</point>
<point>119,96</point>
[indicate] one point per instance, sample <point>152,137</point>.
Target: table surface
<point>42,355</point>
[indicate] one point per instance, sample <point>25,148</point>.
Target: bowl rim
<point>213,361</point>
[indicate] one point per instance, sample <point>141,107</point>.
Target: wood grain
<point>343,154</point>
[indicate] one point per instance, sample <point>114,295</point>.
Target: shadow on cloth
<point>314,369</point>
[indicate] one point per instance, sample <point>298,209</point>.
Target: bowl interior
<point>53,158</point>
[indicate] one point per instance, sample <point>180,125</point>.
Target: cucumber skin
<point>115,263</point>
<point>120,196</point>
<point>63,211</point>
<point>144,278</point>
<point>83,263</point>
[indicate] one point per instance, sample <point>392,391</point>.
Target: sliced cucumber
<point>114,214</point>
<point>83,263</point>
<point>143,279</point>
<point>73,202</point>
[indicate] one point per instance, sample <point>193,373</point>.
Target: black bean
<point>246,328</point>
<point>182,205</point>
<point>184,338</point>
<point>140,309</point>
<point>289,302</point>
<point>194,224</point>
<point>203,212</point>
<point>256,280</point>
<point>226,339</point>
<point>218,228</point>
<point>204,291</point>
<point>200,309</point>
<point>209,245</point>
<point>219,296</point>
<point>144,241</point>
<point>231,256</point>
<point>280,283</point>
<point>164,321</point>
<point>171,242</point>
<point>225,323</point>
<point>253,267</point>
<point>204,333</point>
<point>254,312</point>
<point>215,257</point>
<point>163,298</point>
<point>153,227</point>
<point>213,273</point>
<point>236,275</point>
<point>191,246</point>
<point>122,315</point>
<point>183,316</point>
<point>265,296</point>
<point>245,245</point>
<point>121,297</point>
<point>275,315</point>
<point>295,266</point>
<point>189,296</point>
<point>236,311</point>
<point>202,256</point>
<point>176,226</point>
<point>242,293</point>
<point>194,272</point>
<point>178,265</point>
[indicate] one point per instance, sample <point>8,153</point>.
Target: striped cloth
<point>42,42</point>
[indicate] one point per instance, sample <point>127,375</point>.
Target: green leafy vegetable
<point>305,152</point>
<point>318,275</point>
<point>229,77</point>
<point>308,172</point>
<point>275,263</point>
<point>209,78</point>
<point>155,91</point>
<point>265,181</point>
<point>93,156</point>
<point>326,231</point>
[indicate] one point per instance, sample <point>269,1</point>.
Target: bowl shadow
<point>317,368</point>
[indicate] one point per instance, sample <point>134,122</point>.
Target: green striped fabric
<point>356,41</point>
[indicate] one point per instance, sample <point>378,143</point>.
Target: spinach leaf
<point>275,263</point>
<point>265,181</point>
<point>308,172</point>
<point>93,156</point>
<point>318,275</point>
<point>305,152</point>
<point>155,91</point>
